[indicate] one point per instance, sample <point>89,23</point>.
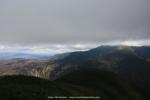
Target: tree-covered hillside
<point>105,84</point>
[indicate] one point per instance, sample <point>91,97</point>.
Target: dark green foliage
<point>109,85</point>
<point>80,83</point>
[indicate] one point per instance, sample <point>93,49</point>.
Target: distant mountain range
<point>14,55</point>
<point>128,62</point>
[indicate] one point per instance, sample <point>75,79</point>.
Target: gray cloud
<point>31,22</point>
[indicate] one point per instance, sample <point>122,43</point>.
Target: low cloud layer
<point>70,25</point>
<point>27,22</point>
<point>52,49</point>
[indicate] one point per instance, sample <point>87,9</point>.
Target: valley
<point>128,67</point>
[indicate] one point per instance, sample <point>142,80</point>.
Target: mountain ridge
<point>129,62</point>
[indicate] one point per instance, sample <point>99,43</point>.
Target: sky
<point>72,25</point>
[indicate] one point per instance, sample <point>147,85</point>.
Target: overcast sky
<point>86,23</point>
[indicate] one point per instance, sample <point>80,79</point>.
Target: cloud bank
<point>65,21</point>
<point>51,49</point>
<point>68,23</point>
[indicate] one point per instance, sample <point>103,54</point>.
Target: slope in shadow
<point>105,84</point>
